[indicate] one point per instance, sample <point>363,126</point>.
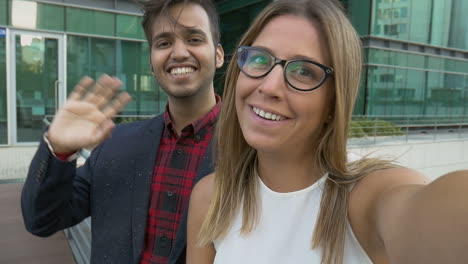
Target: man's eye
<point>162,44</point>
<point>195,40</point>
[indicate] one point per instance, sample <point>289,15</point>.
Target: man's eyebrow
<point>185,31</point>
<point>193,31</point>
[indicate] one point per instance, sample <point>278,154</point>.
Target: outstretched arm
<point>200,200</point>
<point>420,223</point>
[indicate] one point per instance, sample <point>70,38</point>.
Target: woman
<point>284,190</point>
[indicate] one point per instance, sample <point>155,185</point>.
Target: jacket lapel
<point>147,148</point>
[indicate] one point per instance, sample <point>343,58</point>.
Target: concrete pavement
<point>14,162</point>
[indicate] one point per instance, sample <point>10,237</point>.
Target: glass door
<point>37,82</point>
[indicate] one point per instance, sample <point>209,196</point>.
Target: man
<point>138,179</point>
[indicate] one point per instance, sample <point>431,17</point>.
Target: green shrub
<point>362,127</point>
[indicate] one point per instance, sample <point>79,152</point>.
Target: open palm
<point>85,119</point>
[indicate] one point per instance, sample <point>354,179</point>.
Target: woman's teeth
<point>267,115</point>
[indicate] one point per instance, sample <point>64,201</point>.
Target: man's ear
<point>219,56</point>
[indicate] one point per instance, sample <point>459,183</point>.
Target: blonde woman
<point>284,190</point>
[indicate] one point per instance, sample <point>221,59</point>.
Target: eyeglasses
<point>302,75</point>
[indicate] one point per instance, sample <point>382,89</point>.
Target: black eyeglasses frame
<point>328,71</point>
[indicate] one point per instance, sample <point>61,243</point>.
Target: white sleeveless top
<point>284,232</point>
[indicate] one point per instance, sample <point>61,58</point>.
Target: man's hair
<point>155,8</point>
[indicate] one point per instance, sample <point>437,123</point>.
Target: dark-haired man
<point>136,184</point>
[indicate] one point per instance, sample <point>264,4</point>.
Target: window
<point>403,28</point>
<point>33,15</point>
<point>387,77</point>
<point>391,29</point>
<point>129,27</point>
<point>90,22</point>
<point>3,94</point>
<point>404,12</point>
<point>3,13</point>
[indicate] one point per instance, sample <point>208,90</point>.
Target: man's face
<point>183,56</point>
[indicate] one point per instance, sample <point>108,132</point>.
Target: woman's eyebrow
<point>295,57</point>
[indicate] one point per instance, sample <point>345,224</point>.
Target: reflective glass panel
<point>129,27</point>
<point>3,94</point>
<point>3,12</point>
<point>51,17</point>
<point>36,76</point>
<point>88,56</point>
<point>90,21</point>
<point>415,92</point>
<point>134,71</point>
<point>439,23</point>
<point>33,15</point>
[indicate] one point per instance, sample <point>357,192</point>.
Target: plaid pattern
<point>177,163</point>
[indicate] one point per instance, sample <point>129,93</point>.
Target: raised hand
<point>85,120</point>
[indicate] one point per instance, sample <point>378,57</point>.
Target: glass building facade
<point>415,56</point>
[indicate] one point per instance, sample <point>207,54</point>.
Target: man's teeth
<point>182,70</point>
<point>267,115</point>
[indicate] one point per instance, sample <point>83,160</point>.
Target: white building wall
<point>433,159</point>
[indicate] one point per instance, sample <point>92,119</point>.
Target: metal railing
<point>79,239</point>
<point>371,130</point>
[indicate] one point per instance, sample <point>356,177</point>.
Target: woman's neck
<point>288,173</point>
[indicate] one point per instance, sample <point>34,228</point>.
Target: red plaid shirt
<point>177,163</point>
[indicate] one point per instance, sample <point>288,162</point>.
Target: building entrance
<point>36,83</point>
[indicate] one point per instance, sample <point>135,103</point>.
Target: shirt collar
<point>209,119</point>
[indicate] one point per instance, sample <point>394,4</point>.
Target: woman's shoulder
<point>377,184</point>
<point>202,193</point>
<point>386,179</point>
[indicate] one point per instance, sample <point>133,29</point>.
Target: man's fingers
<point>103,91</point>
<point>81,88</point>
<point>118,104</point>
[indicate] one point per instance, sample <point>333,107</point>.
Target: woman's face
<point>298,115</point>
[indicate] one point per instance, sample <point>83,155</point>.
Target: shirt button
<point>179,151</point>
<point>197,137</point>
<point>169,193</point>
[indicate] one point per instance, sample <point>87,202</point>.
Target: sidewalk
<point>14,162</point>
<point>17,246</point>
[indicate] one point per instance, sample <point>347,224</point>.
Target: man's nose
<point>180,51</point>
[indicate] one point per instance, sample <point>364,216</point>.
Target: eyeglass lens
<point>300,74</point>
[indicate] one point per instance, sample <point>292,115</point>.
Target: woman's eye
<point>259,60</point>
<point>304,72</point>
<point>301,71</point>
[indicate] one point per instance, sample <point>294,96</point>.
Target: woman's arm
<point>419,223</point>
<point>200,200</point>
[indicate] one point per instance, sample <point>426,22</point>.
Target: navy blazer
<point>113,187</point>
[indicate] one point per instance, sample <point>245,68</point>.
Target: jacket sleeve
<point>55,195</point>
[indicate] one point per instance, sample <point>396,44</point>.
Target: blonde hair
<point>236,181</point>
